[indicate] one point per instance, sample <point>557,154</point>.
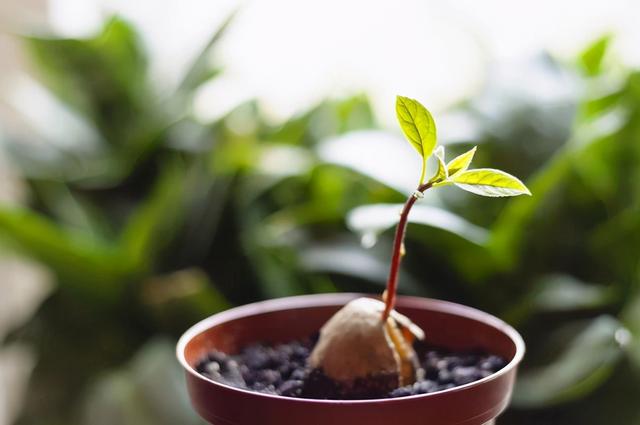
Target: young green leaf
<point>441,175</point>
<point>490,182</point>
<point>460,163</point>
<point>418,126</point>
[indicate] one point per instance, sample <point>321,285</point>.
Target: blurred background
<point>164,160</point>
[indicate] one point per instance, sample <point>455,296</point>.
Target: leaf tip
<point>524,190</point>
<point>401,100</point>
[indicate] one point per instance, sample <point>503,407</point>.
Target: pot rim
<point>331,299</point>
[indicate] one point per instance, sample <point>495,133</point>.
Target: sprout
<point>368,338</point>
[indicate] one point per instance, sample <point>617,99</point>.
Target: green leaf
<point>346,258</point>
<point>81,262</point>
<point>441,176</point>
<point>580,369</point>
<point>460,163</point>
<point>490,182</point>
<point>559,292</point>
<point>376,218</point>
<point>508,235</point>
<point>201,69</point>
<point>102,77</point>
<point>591,58</point>
<point>596,107</point>
<point>156,220</point>
<point>418,126</point>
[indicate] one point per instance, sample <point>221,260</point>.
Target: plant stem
<point>396,257</point>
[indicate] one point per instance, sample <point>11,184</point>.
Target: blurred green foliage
<point>163,220</point>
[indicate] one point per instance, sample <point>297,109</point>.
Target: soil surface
<point>282,369</point>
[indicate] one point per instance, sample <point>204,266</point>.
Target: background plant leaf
<point>154,222</point>
<point>592,57</point>
<point>373,219</point>
<point>566,293</point>
<point>588,361</point>
<point>85,264</point>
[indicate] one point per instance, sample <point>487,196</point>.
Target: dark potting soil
<point>282,369</point>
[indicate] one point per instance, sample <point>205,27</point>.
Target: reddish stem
<point>396,257</point>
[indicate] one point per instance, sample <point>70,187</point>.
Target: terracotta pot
<point>446,324</point>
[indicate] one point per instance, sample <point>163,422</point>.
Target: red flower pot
<point>446,324</point>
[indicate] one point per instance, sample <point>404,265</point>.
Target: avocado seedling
<point>367,350</point>
<point>367,343</point>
